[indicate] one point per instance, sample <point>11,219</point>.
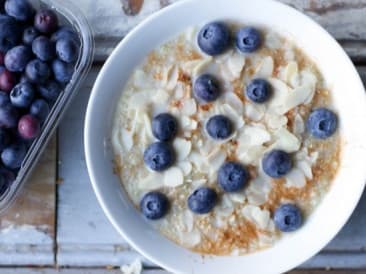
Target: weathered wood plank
<point>111,20</point>
<point>27,230</point>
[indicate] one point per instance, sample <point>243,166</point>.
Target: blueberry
<point>4,185</point>
<point>322,123</point>
<point>232,177</point>
<point>46,21</point>
<point>2,68</point>
<point>202,200</point>
<point>43,48</point>
<point>219,127</point>
<point>5,138</point>
<point>28,127</point>
<point>206,88</point>
<point>13,155</point>
<point>65,32</point>
<point>50,91</point>
<point>10,33</point>
<point>22,95</point>
<point>154,205</point>
<point>37,71</point>
<point>67,50</point>
<point>248,39</point>
<point>40,109</point>
<point>276,163</point>
<point>259,90</point>
<point>159,156</point>
<point>29,34</point>
<point>23,78</point>
<point>21,10</point>
<point>164,127</point>
<point>214,38</point>
<point>2,56</point>
<point>287,218</point>
<point>62,71</point>
<point>8,116</point>
<point>4,98</point>
<point>17,58</point>
<point>7,81</point>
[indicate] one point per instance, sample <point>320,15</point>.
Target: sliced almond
<point>299,125</point>
<point>233,115</point>
<point>251,155</point>
<point>235,64</point>
<point>189,107</point>
<point>182,148</point>
<point>265,69</point>
<point>127,139</point>
<point>216,160</point>
<point>290,71</point>
<point>295,178</point>
<point>253,136</point>
<point>234,101</point>
<point>153,181</point>
<point>238,197</point>
<point>254,112</point>
<point>286,141</point>
<point>276,121</point>
<point>257,216</point>
<point>305,167</point>
<point>196,67</point>
<point>186,167</point>
<point>173,177</point>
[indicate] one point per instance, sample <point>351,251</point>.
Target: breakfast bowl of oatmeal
<point>227,138</point>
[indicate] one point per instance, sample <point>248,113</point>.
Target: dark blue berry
<point>202,200</point>
<point>43,48</point>
<point>21,10</point>
<point>37,71</point>
<point>164,127</point>
<point>67,50</point>
<point>219,127</point>
<point>232,177</point>
<point>259,90</point>
<point>322,123</point>
<point>5,138</point>
<point>62,71</point>
<point>13,155</point>
<point>154,205</point>
<point>29,34</point>
<point>46,21</point>
<point>276,163</point>
<point>206,88</point>
<point>65,32</point>
<point>4,184</point>
<point>248,39</point>
<point>10,33</point>
<point>214,38</point>
<point>22,95</point>
<point>8,116</point>
<point>159,156</point>
<point>4,98</point>
<point>40,109</point>
<point>50,91</point>
<point>287,218</point>
<point>17,58</point>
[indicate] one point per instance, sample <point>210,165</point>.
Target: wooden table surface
<point>57,220</point>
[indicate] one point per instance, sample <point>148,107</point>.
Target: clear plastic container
<point>69,15</point>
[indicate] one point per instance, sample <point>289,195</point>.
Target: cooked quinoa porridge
<point>248,142</point>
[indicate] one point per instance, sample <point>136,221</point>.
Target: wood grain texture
<point>36,204</point>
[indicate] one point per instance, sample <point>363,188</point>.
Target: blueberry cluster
<point>37,59</point>
<point>214,39</point>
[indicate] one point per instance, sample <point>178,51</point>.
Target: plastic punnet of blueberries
<point>37,60</point>
<point>214,39</point>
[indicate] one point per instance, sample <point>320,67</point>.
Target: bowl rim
<point>88,125</point>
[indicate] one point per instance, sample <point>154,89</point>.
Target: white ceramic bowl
<point>349,98</point>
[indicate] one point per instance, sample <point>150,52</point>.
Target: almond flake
<point>295,178</point>
<point>127,139</point>
<point>254,112</point>
<point>237,197</point>
<point>173,177</point>
<point>236,64</point>
<point>276,121</point>
<point>290,72</point>
<point>305,167</point>
<point>189,107</point>
<point>186,167</point>
<point>257,216</point>
<point>196,67</point>
<point>216,160</point>
<point>253,136</point>
<point>265,69</point>
<point>153,181</point>
<point>299,125</point>
<point>251,155</point>
<point>182,148</point>
<point>234,101</point>
<point>286,141</point>
<point>233,115</point>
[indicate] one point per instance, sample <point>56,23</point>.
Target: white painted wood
<point>71,271</point>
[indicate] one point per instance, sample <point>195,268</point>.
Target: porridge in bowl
<point>226,145</point>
